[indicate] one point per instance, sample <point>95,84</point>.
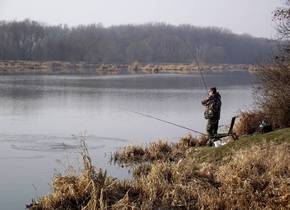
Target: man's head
<point>212,91</point>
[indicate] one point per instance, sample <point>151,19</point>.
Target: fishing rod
<point>201,74</point>
<point>196,56</point>
<point>165,121</point>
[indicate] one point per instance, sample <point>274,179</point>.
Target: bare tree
<point>274,89</point>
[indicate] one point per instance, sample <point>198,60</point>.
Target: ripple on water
<point>56,143</point>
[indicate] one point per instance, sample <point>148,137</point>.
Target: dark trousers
<point>212,127</point>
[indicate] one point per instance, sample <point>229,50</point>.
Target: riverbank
<point>251,173</point>
<point>61,67</point>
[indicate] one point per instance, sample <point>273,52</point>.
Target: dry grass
<point>249,122</point>
<point>257,177</point>
<point>161,150</point>
<point>180,68</point>
<point>88,191</point>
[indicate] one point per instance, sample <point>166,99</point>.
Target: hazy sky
<point>241,16</point>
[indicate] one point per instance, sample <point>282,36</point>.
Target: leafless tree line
<point>148,43</point>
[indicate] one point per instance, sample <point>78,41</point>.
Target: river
<point>43,117</point>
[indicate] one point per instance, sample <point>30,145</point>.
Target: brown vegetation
<point>56,67</point>
<point>64,67</point>
<point>249,122</point>
<point>203,178</point>
<point>257,178</point>
<point>161,150</point>
<point>180,68</point>
<point>273,95</point>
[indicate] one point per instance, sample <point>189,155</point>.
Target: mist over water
<point>43,117</point>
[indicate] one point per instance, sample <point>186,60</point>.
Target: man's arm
<point>205,102</point>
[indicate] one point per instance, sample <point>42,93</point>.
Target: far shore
<point>11,67</point>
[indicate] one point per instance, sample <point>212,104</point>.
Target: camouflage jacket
<point>212,107</point>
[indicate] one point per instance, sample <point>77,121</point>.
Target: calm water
<point>42,117</point>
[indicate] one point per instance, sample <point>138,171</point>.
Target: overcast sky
<point>240,16</point>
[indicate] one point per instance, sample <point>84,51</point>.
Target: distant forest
<point>147,43</point>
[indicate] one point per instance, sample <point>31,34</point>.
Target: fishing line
<point>165,121</point>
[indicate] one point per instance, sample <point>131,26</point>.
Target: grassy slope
<point>221,154</point>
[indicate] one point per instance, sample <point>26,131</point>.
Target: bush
<point>273,92</point>
<point>249,122</point>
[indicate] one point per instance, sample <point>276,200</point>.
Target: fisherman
<point>212,113</point>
